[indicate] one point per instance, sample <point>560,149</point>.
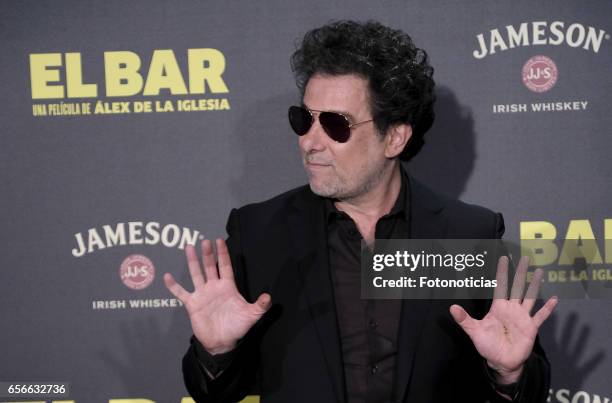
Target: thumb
<point>463,318</point>
<point>264,302</point>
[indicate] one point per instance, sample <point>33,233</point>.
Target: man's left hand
<point>505,336</point>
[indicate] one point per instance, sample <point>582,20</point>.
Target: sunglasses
<point>336,125</point>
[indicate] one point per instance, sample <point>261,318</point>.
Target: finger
<point>225,263</point>
<point>533,290</point>
<point>501,290</point>
<point>210,266</point>
<point>520,276</point>
<point>195,271</point>
<point>463,319</point>
<point>175,288</point>
<point>264,302</point>
<point>545,311</point>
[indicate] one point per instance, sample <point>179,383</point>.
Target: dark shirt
<point>368,328</point>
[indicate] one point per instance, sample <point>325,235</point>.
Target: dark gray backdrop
<point>62,175</point>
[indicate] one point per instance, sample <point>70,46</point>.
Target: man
<point>308,337</point>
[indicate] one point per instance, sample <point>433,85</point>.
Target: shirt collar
<point>399,208</point>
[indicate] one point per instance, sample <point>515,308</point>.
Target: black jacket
<point>293,353</point>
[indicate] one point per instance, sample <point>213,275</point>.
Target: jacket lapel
<point>309,236</point>
<point>426,221</point>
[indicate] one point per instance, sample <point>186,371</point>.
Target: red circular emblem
<point>137,272</point>
<point>540,73</point>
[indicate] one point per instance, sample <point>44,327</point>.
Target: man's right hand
<point>219,315</point>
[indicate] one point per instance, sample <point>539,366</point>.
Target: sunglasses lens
<point>336,126</point>
<point>300,120</point>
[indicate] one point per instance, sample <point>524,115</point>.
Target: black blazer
<point>293,353</point>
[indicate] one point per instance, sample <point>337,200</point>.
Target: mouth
<point>316,166</point>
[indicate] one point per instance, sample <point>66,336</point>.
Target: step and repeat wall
<point>129,129</point>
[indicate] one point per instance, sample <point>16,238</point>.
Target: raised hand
<point>505,336</point>
<point>219,315</point>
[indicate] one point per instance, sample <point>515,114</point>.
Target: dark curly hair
<point>398,73</point>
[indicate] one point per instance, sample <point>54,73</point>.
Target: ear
<point>396,139</point>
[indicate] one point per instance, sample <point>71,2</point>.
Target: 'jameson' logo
<point>540,33</point>
<point>134,233</point>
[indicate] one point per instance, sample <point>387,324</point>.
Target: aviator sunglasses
<point>336,125</point>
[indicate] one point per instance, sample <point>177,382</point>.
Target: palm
<point>505,336</point>
<point>219,315</point>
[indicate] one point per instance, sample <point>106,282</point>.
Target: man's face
<point>342,170</point>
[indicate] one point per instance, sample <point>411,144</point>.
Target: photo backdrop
<point>128,129</point>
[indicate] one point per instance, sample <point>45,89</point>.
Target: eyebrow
<point>345,113</point>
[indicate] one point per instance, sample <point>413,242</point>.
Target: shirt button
<point>374,369</point>
<point>373,324</point>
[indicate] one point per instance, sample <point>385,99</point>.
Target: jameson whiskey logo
<point>134,233</point>
<point>557,33</point>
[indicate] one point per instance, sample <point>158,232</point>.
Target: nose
<point>315,139</point>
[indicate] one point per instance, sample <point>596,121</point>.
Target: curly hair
<point>398,73</point>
